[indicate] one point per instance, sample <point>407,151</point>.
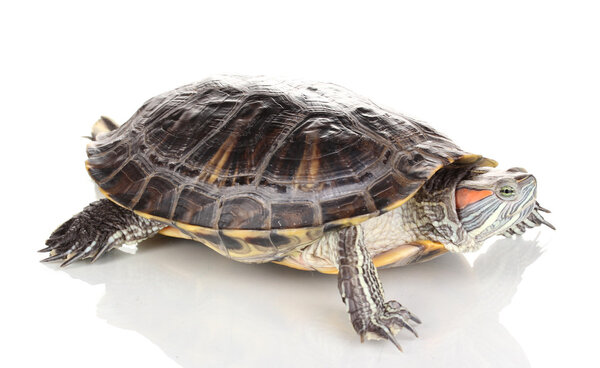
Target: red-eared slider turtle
<point>310,176</point>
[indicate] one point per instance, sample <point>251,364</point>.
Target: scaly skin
<point>362,292</point>
<point>100,227</point>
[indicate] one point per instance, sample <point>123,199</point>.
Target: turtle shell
<point>255,167</point>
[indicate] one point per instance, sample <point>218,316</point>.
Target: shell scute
<point>104,165</point>
<point>158,197</point>
<point>293,214</point>
<point>349,206</point>
<point>125,185</point>
<point>415,165</point>
<point>385,190</point>
<point>194,207</point>
<point>243,213</point>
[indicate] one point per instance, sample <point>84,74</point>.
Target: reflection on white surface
<point>202,309</point>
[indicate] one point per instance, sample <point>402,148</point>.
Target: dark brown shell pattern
<point>251,153</point>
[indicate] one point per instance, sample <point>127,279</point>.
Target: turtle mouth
<point>534,219</point>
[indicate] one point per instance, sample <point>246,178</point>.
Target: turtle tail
<point>103,125</point>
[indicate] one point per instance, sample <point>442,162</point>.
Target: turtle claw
<point>72,259</point>
<point>411,329</point>
<point>73,240</point>
<point>415,319</point>
<point>52,258</point>
<point>389,335</point>
<point>388,321</point>
<point>401,316</point>
<point>532,220</point>
<point>101,252</point>
<point>540,208</point>
<point>97,229</point>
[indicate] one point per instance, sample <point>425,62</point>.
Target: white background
<point>517,81</point>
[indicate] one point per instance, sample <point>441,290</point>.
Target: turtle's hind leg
<point>100,227</point>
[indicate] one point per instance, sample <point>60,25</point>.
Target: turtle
<point>307,175</point>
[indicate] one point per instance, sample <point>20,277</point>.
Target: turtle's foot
<point>100,227</point>
<point>385,323</point>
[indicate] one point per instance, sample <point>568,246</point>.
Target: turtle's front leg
<point>100,227</point>
<point>362,293</point>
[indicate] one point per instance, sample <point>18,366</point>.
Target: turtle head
<point>498,202</point>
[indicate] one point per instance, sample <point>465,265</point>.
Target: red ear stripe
<point>465,197</point>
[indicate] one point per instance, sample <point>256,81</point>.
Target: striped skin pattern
<point>235,153</point>
<point>490,211</point>
<point>495,214</point>
<point>362,292</point>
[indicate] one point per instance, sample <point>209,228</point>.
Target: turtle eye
<point>507,191</point>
